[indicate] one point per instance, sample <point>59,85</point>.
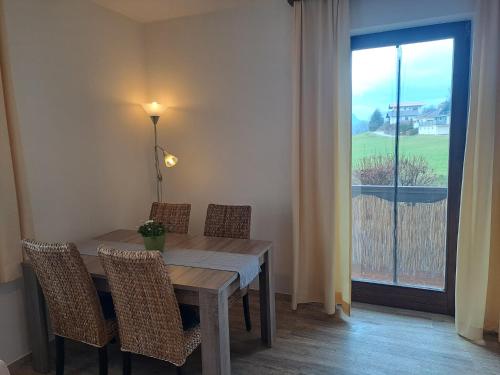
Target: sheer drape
<point>10,230</point>
<point>322,154</point>
<point>478,258</point>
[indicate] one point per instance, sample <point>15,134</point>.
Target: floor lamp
<point>154,110</point>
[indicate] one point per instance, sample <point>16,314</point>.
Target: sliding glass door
<point>410,90</point>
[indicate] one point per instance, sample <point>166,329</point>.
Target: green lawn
<point>433,148</point>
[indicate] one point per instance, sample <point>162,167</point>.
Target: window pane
<point>426,79</point>
<point>374,74</point>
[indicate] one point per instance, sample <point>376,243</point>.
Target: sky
<point>426,71</point>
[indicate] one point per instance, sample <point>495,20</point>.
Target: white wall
<point>226,76</point>
<point>78,74</point>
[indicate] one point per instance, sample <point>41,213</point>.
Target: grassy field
<point>433,148</point>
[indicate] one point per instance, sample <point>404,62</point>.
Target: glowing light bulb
<point>153,109</point>
<point>170,160</point>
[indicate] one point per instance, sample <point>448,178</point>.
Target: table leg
<point>267,302</point>
<point>215,351</point>
<point>37,320</point>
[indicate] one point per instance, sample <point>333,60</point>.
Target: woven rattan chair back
<point>148,314</point>
<point>74,307</point>
<point>174,216</point>
<point>228,221</point>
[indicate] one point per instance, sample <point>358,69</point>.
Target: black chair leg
<point>103,360</point>
<point>179,370</point>
<point>59,355</point>
<point>127,363</point>
<point>246,312</point>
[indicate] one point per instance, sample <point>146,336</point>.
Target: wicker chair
<point>148,314</point>
<point>228,221</point>
<point>72,300</point>
<point>174,216</point>
<point>231,222</point>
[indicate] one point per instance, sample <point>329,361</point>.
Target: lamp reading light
<point>170,160</point>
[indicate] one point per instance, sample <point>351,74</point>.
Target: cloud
<point>377,67</point>
<point>426,75</point>
<point>372,67</point>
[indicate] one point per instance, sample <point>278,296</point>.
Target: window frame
<point>418,298</point>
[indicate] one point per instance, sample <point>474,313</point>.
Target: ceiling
<point>157,10</point>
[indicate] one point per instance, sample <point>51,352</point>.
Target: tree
<point>429,109</point>
<point>376,121</point>
<point>444,107</point>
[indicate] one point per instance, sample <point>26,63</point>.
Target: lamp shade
<point>170,160</point>
<point>153,109</point>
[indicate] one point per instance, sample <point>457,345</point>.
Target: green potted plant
<point>153,234</point>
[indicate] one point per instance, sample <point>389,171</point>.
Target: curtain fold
<point>10,229</point>
<point>478,253</point>
<point>322,154</point>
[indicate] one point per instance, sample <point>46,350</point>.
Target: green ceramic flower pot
<point>154,243</point>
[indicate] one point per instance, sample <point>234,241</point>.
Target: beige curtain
<point>478,258</point>
<point>322,154</point>
<point>10,229</point>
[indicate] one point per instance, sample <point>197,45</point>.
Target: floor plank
<point>374,340</point>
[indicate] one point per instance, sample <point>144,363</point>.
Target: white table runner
<point>246,265</point>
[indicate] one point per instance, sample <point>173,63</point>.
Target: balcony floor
<point>425,280</point>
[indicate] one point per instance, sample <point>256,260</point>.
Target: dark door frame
<point>420,298</point>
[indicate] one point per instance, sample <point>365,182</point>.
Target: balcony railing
<point>421,234</point>
<point>407,194</point>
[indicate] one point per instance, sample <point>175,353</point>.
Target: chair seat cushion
<point>111,329</point>
<point>190,316</point>
<point>108,308</point>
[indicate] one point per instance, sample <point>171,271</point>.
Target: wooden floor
<point>374,340</point>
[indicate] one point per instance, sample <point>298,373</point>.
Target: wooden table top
<point>188,278</point>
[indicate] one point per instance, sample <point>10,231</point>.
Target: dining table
<point>210,289</point>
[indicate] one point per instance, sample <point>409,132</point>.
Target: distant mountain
<point>358,126</point>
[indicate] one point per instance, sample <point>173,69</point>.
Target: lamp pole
<point>159,177</point>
